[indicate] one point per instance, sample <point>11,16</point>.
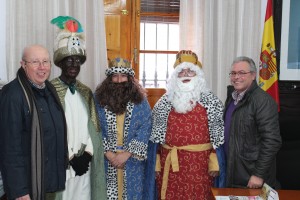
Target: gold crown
<point>119,62</point>
<point>119,65</point>
<point>187,56</point>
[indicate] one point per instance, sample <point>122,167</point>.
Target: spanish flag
<point>268,76</point>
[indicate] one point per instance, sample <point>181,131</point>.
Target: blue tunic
<point>137,129</point>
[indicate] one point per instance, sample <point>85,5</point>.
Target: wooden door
<point>118,24</point>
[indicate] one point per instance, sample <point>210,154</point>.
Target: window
<point>159,41</point>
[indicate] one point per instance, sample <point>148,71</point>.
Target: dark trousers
<point>3,197</point>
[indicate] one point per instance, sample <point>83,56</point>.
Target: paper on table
<point>267,193</point>
<point>231,197</point>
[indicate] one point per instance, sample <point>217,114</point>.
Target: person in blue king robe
<point>125,120</point>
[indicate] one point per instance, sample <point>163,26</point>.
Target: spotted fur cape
<point>209,101</point>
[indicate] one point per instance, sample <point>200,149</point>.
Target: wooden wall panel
<point>154,94</point>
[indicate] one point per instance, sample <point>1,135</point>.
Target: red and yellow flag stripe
<point>268,76</point>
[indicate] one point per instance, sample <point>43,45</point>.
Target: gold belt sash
<point>172,160</point>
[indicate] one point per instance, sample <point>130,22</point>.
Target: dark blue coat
<point>15,143</point>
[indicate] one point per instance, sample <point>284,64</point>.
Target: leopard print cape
<point>209,101</point>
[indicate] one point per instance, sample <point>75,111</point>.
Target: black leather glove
<point>80,164</point>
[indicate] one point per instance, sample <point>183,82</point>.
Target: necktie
<point>72,88</point>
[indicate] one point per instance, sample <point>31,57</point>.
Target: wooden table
<point>283,194</point>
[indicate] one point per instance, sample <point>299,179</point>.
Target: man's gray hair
<point>245,59</point>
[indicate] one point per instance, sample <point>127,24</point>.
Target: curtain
<point>218,31</point>
<point>3,74</point>
<point>28,22</point>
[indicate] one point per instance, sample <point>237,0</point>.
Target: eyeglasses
<point>36,63</point>
<point>187,72</point>
<point>239,74</point>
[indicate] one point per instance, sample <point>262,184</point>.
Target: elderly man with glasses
<point>33,148</point>
<point>252,136</point>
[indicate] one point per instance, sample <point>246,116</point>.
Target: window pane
<point>150,65</point>
<point>162,65</point>
<point>150,36</point>
<point>162,84</point>
<point>159,40</point>
<point>148,70</point>
<point>155,69</point>
<point>173,37</point>
<point>172,59</point>
<point>161,37</point>
<point>162,40</point>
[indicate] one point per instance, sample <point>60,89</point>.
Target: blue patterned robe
<point>137,129</point>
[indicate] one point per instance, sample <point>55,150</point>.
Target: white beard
<point>185,97</point>
<point>183,103</point>
<point>186,87</point>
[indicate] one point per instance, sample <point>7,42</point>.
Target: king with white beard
<point>187,121</point>
<point>185,87</point>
